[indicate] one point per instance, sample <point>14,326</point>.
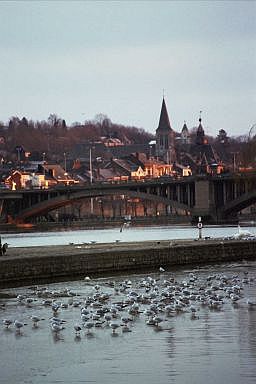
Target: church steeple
<point>164,122</point>
<point>165,136</point>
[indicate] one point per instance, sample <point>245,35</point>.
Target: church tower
<point>165,137</point>
<point>185,137</point>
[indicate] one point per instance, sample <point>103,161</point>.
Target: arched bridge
<point>24,204</point>
<point>239,203</point>
<point>215,198</point>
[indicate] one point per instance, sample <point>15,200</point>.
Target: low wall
<point>51,263</point>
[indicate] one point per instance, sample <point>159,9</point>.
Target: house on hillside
<point>126,169</point>
<point>46,176</point>
<point>58,174</point>
<point>26,180</point>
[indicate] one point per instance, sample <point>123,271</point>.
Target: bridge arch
<point>71,197</point>
<point>241,202</point>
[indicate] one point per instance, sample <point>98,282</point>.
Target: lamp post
<point>43,162</point>
<point>90,160</point>
<point>90,165</point>
<point>234,160</point>
<point>65,162</point>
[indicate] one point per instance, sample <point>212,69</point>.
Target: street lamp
<point>234,160</point>
<point>43,162</point>
<point>90,160</point>
<point>65,162</point>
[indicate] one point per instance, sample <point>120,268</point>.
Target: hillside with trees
<point>54,137</point>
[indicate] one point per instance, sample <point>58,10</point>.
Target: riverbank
<point>33,265</point>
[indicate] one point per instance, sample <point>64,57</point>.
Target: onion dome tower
<point>200,136</point>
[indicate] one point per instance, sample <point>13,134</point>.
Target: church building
<point>175,148</point>
<point>165,137</point>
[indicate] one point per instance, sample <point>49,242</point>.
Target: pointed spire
<point>164,122</point>
<point>184,128</point>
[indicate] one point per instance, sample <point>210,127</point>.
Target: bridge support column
<point>235,190</point>
<point>204,203</point>
<point>224,192</point>
<point>178,193</point>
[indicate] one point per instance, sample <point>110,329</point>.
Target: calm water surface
<point>218,346</point>
<point>113,234</point>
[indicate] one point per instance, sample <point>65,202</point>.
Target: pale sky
<point>81,58</point>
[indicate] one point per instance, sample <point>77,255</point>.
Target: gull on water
<point>251,303</point>
<point>89,325</point>
<point>77,329</point>
<point>114,327</point>
<point>7,323</point>
<point>18,325</point>
<point>157,300</point>
<point>56,327</point>
<point>35,320</point>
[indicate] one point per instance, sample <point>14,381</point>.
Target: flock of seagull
<point>117,306</point>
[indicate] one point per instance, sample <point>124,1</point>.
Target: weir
<point>22,266</point>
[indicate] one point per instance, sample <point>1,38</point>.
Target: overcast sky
<point>81,58</point>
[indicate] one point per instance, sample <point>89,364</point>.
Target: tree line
<point>54,137</point>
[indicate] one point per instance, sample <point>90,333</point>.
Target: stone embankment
<point>21,266</point>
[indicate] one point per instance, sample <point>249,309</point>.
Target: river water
<point>215,345</point>
<point>111,235</point>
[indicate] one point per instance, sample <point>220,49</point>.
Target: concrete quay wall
<point>52,263</point>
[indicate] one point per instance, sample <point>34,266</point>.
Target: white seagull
<point>114,327</point>
<point>56,327</point>
<point>18,326</point>
<point>35,320</point>
<point>77,329</point>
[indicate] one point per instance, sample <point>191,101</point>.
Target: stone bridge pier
<point>205,206</point>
